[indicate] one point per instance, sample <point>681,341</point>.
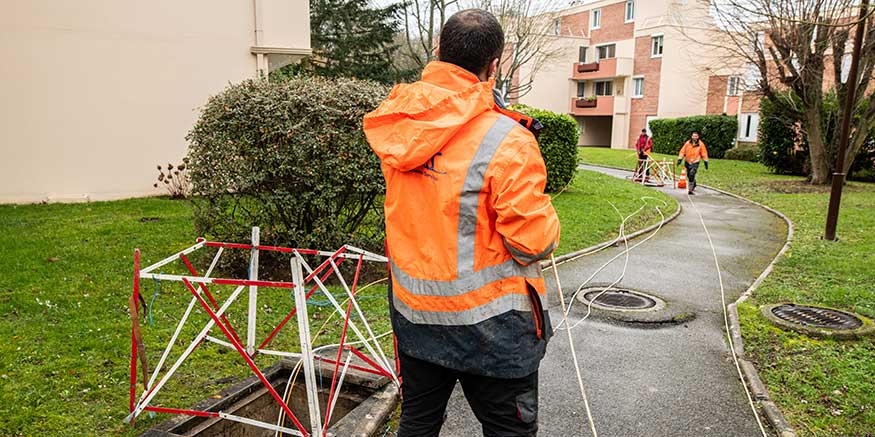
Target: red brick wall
<point>613,27</point>
<point>575,24</point>
<point>651,69</point>
<point>716,94</point>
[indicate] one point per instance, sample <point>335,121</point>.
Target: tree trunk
<point>817,149</point>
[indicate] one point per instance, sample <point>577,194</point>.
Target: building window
<point>656,45</point>
<point>581,89</point>
<point>752,77</point>
<point>596,18</point>
<point>630,10</point>
<point>733,88</point>
<point>581,54</point>
<point>846,68</point>
<point>557,27</point>
<point>604,88</point>
<point>637,87</point>
<point>606,51</point>
<point>748,124</point>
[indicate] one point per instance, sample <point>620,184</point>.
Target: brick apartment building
<point>627,62</point>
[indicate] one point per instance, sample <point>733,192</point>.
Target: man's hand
<point>706,165</point>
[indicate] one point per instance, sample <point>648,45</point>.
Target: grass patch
<point>65,276</point>
<point>824,387</point>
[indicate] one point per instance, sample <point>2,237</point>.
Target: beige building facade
<point>95,93</point>
<point>634,62</point>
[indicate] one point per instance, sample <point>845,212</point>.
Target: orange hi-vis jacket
<point>693,153</point>
<point>466,222</point>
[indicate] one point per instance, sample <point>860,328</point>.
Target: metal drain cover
<point>816,317</point>
<point>620,299</point>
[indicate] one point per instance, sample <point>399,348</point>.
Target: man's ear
<point>493,68</point>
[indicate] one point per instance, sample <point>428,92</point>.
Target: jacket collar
<point>451,76</point>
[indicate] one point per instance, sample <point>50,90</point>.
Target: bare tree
<point>792,43</point>
<point>527,27</point>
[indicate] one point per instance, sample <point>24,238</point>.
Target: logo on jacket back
<point>429,169</point>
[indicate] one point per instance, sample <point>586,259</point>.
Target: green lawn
<point>65,278</point>
<point>824,387</point>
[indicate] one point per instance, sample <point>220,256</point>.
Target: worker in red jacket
<point>643,147</point>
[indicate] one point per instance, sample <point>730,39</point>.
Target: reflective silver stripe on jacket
<point>468,201</point>
<point>500,305</point>
<point>468,279</point>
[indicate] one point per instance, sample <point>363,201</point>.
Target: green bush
<point>291,158</point>
<point>718,132</point>
<point>743,152</point>
<point>558,143</point>
<point>781,143</point>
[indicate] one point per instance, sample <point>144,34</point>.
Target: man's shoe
<point>691,192</point>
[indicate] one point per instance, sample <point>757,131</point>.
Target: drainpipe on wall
<point>261,66</point>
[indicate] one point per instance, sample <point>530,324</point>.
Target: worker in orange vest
<point>693,152</point>
<point>467,221</point>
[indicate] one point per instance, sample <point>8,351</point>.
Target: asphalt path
<point>675,380</point>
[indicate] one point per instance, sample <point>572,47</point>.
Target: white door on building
<point>748,123</point>
<point>647,121</point>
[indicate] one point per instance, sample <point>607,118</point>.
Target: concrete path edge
<point>595,248</point>
<point>758,388</point>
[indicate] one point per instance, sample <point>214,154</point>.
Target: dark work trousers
<point>642,162</point>
<point>504,407</point>
<point>692,169</point>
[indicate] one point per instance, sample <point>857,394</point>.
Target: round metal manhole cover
<point>620,299</point>
<point>816,317</point>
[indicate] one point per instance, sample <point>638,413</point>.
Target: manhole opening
<point>620,299</point>
<point>816,317</point>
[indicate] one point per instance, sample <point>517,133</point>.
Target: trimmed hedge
<point>291,158</point>
<point>718,132</point>
<point>743,152</point>
<point>558,143</point>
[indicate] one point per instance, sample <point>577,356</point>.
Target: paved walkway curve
<point>671,381</point>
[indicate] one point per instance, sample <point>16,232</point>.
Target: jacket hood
<point>417,120</point>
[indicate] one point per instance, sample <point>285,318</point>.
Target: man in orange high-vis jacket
<point>467,221</point>
<point>643,147</point>
<point>691,154</point>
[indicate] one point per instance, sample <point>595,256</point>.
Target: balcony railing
<point>587,106</point>
<point>603,69</point>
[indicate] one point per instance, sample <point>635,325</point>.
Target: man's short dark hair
<point>644,131</point>
<point>471,39</point>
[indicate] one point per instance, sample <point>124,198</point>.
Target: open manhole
<point>620,299</point>
<point>817,317</point>
<point>818,321</point>
<point>363,404</point>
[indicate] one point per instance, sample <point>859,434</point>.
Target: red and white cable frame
<point>303,275</point>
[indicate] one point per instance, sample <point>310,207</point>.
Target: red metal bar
<point>260,247</point>
<point>209,296</point>
<point>228,245</point>
<point>370,362</point>
<point>351,366</point>
<point>397,361</point>
<point>278,284</point>
<point>324,264</point>
<point>355,281</point>
<point>181,411</point>
<point>136,293</point>
<point>246,357</point>
<point>294,310</point>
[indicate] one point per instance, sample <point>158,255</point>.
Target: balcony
<point>602,105</point>
<point>603,69</point>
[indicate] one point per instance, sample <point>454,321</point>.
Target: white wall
<point>95,93</point>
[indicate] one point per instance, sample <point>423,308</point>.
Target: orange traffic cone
<point>682,181</point>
